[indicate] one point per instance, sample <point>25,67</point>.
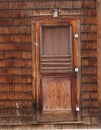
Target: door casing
<point>36,54</point>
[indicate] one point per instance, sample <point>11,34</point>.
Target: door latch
<point>35,44</point>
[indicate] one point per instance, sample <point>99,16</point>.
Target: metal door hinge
<point>77,109</point>
<point>76,35</point>
<point>76,69</point>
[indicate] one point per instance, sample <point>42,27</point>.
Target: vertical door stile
<point>37,67</point>
<point>75,59</point>
<point>74,45</point>
<point>34,81</point>
<point>71,44</point>
<point>78,65</point>
<point>34,61</point>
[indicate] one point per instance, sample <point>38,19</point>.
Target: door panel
<point>56,81</point>
<point>56,98</point>
<point>55,49</point>
<point>56,95</point>
<point>55,40</point>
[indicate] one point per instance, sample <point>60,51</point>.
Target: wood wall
<point>99,55</point>
<point>16,98</point>
<point>89,89</point>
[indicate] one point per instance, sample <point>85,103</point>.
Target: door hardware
<point>77,109</point>
<point>76,69</point>
<point>76,35</point>
<point>35,44</point>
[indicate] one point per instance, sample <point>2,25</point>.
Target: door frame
<point>35,67</point>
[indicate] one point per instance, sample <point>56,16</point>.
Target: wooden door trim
<point>36,67</point>
<point>79,67</point>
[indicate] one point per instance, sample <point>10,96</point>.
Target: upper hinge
<point>76,35</point>
<point>76,69</point>
<point>77,109</point>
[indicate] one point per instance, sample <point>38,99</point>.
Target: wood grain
<point>56,56</point>
<point>56,95</point>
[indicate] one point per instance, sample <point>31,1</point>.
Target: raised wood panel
<point>56,95</point>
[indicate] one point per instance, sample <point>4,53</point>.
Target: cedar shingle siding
<point>16,98</point>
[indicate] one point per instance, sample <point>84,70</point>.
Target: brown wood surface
<point>16,58</point>
<point>99,56</point>
<point>55,45</point>
<point>99,51</point>
<point>56,95</point>
<point>56,63</point>
<point>52,61</point>
<point>55,40</point>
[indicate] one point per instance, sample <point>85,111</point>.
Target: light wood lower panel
<point>56,98</point>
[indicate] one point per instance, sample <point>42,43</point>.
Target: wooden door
<point>55,60</point>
